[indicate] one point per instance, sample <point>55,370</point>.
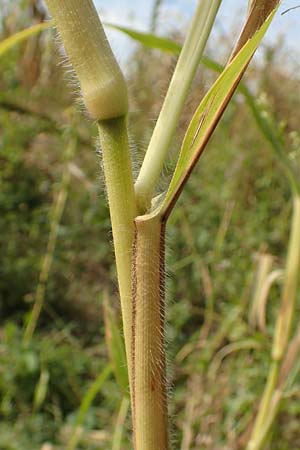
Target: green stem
<point>121,199</point>
<point>150,415</point>
<point>119,429</point>
<point>167,122</point>
<point>85,405</point>
<point>287,308</point>
<point>105,95</point>
<point>258,443</point>
<point>264,407</point>
<point>266,410</point>
<point>102,84</point>
<point>56,215</point>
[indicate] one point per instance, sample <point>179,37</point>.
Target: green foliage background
<point>236,206</point>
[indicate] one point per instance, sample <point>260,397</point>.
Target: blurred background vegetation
<point>235,211</point>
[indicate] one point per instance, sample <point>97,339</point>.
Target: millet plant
<point>138,211</point>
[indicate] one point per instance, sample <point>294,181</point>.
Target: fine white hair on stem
<point>102,83</point>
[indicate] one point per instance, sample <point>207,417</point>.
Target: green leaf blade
<point>21,36</point>
<point>149,40</point>
<point>207,116</point>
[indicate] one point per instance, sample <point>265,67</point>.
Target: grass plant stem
<point>167,122</point>
<point>287,307</point>
<point>150,414</point>
<point>104,92</point>
<point>85,405</point>
<point>121,199</point>
<point>281,336</point>
<point>121,419</point>
<point>103,86</point>
<point>57,210</point>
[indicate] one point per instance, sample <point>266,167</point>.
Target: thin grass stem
<point>57,210</point>
<point>119,429</point>
<point>282,334</point>
<point>85,405</point>
<point>167,122</point>
<point>121,199</point>
<point>150,416</point>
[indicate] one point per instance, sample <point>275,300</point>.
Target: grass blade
<point>207,116</point>
<point>57,210</point>
<point>86,403</point>
<point>149,40</point>
<point>265,262</point>
<point>16,38</point>
<point>119,429</point>
<point>266,127</point>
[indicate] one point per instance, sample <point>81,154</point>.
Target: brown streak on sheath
<point>152,384</point>
<point>162,279</point>
<point>134,291</point>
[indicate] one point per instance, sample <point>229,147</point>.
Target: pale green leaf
<point>169,46</point>
<point>85,405</point>
<point>148,39</point>
<point>270,132</point>
<point>16,38</point>
<point>163,44</point>
<point>207,116</point>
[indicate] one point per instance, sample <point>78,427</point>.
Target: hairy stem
<point>121,199</point>
<point>102,84</point>
<point>105,95</point>
<point>150,415</point>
